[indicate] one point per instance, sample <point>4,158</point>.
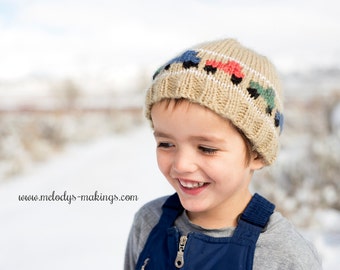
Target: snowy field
<point>92,234</point>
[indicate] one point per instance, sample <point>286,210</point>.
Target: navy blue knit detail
<point>279,119</point>
<point>188,59</point>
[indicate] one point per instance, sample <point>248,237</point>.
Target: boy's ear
<point>257,161</point>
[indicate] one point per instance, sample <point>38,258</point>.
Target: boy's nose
<point>184,162</point>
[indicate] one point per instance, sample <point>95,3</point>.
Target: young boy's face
<point>204,158</point>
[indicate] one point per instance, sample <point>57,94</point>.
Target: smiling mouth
<point>191,184</point>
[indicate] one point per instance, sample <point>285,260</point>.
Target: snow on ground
<point>80,235</point>
<point>92,234</point>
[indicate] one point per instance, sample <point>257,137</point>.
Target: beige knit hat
<point>231,80</point>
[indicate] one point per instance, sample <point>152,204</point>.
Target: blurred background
<point>72,80</point>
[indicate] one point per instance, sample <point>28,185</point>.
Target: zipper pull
<point>145,263</point>
<point>179,262</point>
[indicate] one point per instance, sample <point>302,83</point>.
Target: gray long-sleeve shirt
<point>279,247</point>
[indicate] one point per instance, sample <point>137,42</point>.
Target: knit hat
<point>231,80</point>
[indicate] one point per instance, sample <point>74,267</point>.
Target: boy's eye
<point>207,150</point>
<point>164,145</point>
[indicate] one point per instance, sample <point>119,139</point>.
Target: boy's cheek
<point>163,162</point>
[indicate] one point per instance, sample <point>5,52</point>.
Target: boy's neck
<point>222,217</point>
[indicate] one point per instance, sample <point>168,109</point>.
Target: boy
<point>216,111</point>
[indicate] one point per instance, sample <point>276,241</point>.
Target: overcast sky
<point>81,37</point>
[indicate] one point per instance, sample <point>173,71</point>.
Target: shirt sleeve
<point>283,247</point>
<point>131,255</point>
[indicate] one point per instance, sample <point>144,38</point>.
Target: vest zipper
<point>179,262</point>
<point>145,263</point>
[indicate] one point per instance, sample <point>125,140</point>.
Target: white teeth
<point>191,184</point>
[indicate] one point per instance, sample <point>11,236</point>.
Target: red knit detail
<point>231,67</point>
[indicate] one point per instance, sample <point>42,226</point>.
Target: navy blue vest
<point>166,248</point>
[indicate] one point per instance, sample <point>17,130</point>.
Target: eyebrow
<point>161,134</point>
<point>208,138</point>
